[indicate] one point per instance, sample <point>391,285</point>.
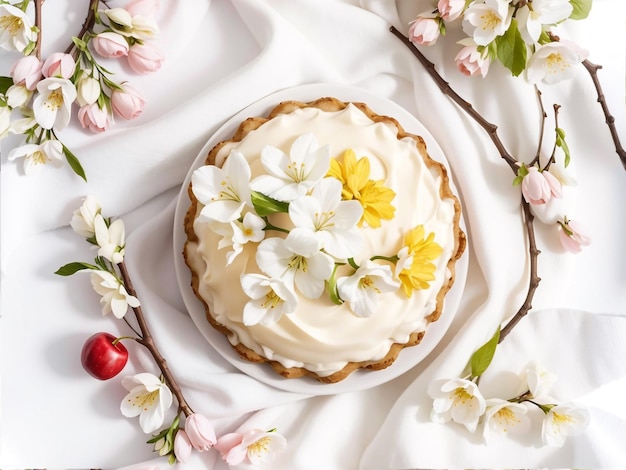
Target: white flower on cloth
<point>458,400</point>
<point>362,289</point>
<point>115,298</point>
<point>532,17</point>
<point>270,299</point>
<point>83,218</point>
<point>237,233</point>
<point>307,273</point>
<point>52,105</point>
<point>293,175</point>
<point>148,398</point>
<point>503,418</point>
<point>562,421</point>
<point>224,191</point>
<point>540,381</point>
<point>37,155</point>
<point>484,21</point>
<point>16,29</point>
<point>110,239</point>
<point>252,447</point>
<point>554,62</point>
<point>323,220</point>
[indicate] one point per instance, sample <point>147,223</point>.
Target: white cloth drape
<point>221,57</point>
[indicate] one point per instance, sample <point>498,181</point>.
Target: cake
<point>322,239</point>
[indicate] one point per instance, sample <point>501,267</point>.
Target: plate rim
<point>360,379</point>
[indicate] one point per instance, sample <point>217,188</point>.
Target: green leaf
<point>482,357</point>
<point>512,50</point>
<point>265,205</point>
<point>560,142</point>
<point>73,268</point>
<point>74,163</point>
<point>5,84</point>
<point>581,9</point>
<point>332,287</point>
<point>80,44</point>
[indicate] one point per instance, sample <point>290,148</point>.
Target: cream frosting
<point>320,336</point>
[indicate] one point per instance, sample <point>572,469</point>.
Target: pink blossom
<point>573,236</point>
<point>200,432</point>
<point>27,71</point>
<point>145,58</point>
<point>127,103</point>
<point>424,31</point>
<point>538,188</point>
<point>94,118</point>
<point>450,10</point>
<point>253,446</point>
<point>110,45</point>
<point>60,65</point>
<point>145,8</point>
<point>470,62</point>
<point>182,446</point>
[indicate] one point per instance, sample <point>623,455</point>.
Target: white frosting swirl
<point>321,336</point>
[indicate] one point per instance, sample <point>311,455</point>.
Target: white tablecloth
<point>221,57</point>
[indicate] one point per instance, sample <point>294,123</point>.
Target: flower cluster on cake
<point>322,238</point>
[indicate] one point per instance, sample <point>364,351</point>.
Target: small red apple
<point>102,357</point>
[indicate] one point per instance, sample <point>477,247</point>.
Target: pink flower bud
<point>146,8</point>
<point>470,62</point>
<point>94,118</point>
<point>200,432</point>
<point>27,71</point>
<point>573,236</point>
<point>127,104</point>
<point>539,189</point>
<point>450,10</point>
<point>230,449</point>
<point>182,446</point>
<point>424,31</point>
<point>145,58</point>
<point>59,64</point>
<point>110,45</point>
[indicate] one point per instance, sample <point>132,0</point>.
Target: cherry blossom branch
<point>147,341</point>
<point>38,5</point>
<point>90,20</point>
<point>610,120</point>
<point>491,130</point>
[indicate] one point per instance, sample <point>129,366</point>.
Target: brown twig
<point>38,5</point>
<point>90,20</point>
<point>147,341</point>
<point>610,120</point>
<point>491,129</point>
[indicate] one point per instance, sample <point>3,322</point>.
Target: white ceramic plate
<point>361,379</point>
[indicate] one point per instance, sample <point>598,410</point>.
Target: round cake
<point>322,238</point>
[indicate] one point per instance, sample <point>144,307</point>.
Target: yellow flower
<point>373,196</point>
<point>415,267</point>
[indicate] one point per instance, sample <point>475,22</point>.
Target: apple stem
<point>117,340</point>
<point>147,341</point>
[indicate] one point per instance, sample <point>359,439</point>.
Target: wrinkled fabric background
<point>221,56</point>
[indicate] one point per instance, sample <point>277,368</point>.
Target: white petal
<point>304,241</point>
<point>303,209</point>
<point>255,286</point>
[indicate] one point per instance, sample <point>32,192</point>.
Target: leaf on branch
<point>581,9</point>
<point>560,142</point>
<point>73,268</point>
<point>523,171</point>
<point>265,205</point>
<point>5,84</point>
<point>74,163</point>
<point>512,50</point>
<point>482,357</point>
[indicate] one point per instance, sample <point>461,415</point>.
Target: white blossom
<point>83,218</point>
<point>458,400</point>
<point>52,105</point>
<point>115,298</point>
<point>504,418</point>
<point>237,233</point>
<point>16,29</point>
<point>533,16</point>
<point>18,96</point>
<point>110,239</point>
<point>293,175</point>
<point>323,221</point>
<point>562,421</point>
<point>148,398</point>
<point>223,191</point>
<point>307,273</point>
<point>554,62</point>
<point>37,155</point>
<point>362,290</point>
<point>540,381</point>
<point>270,299</point>
<point>485,21</point>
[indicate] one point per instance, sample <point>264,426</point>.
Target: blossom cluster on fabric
<point>327,201</point>
<point>460,400</point>
<point>489,22</point>
<point>44,91</point>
